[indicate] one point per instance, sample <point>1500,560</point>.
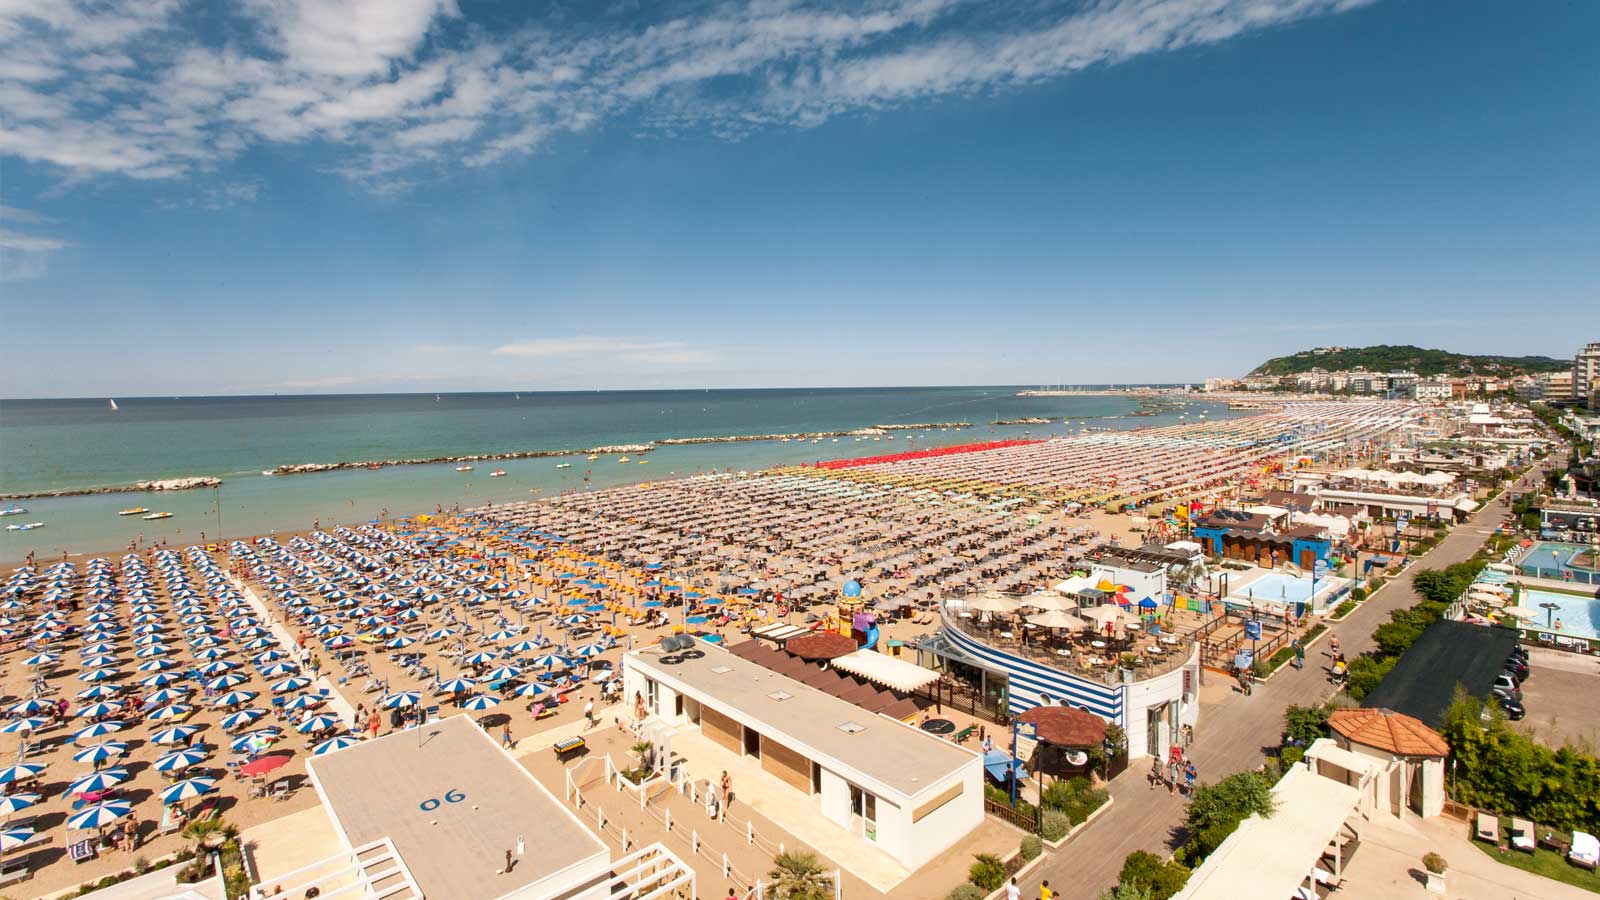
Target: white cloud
<point>665,353</point>
<point>406,90</point>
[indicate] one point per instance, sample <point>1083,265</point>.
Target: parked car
<point>1509,685</point>
<point>1514,709</point>
<point>1517,669</point>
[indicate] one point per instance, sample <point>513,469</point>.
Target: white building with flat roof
<point>911,794</point>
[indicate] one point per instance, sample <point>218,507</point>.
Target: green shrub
<point>1305,723</point>
<point>1434,863</point>
<point>1031,847</point>
<point>1149,872</point>
<point>1054,825</point>
<point>987,872</point>
<point>965,892</point>
<point>1358,594</point>
<point>1498,767</point>
<point>1344,609</point>
<point>1289,756</point>
<point>1283,655</point>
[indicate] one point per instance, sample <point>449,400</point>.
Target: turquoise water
<point>1553,559</point>
<point>1579,616</point>
<point>1278,588</point>
<point>56,444</point>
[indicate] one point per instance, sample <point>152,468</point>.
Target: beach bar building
<point>437,811</point>
<point>910,794</point>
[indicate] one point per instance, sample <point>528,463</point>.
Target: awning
<point>778,633</point>
<point>894,673</point>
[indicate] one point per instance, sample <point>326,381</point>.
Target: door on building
<point>863,813</point>
<point>1153,720</point>
<point>752,742</point>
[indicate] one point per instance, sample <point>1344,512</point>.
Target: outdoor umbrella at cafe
<point>1057,618</point>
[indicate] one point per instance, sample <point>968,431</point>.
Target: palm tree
<point>798,876</point>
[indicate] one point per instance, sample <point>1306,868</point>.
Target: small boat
<point>268,472</point>
<point>563,465</point>
<point>113,406</point>
<point>156,515</point>
<point>373,467</point>
<point>28,527</point>
<point>13,510</point>
<point>497,473</point>
<point>592,457</point>
<point>133,511</point>
<point>644,462</point>
<point>622,459</point>
<point>463,468</point>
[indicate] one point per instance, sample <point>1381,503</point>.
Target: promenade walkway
<point>1235,731</point>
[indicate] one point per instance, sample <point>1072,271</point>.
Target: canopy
<point>1057,618</point>
<point>1065,726</point>
<point>888,671</point>
<point>822,645</point>
<point>1000,765</point>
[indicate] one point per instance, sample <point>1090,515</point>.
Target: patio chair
<point>282,789</point>
<point>1488,828</point>
<point>82,851</point>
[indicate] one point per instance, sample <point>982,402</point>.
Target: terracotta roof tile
<point>1388,730</point>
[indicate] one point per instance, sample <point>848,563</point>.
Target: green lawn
<point>1547,863</point>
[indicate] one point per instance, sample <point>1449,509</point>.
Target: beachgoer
<point>588,714</point>
<point>727,792</point>
<point>1044,891</point>
<point>1013,892</point>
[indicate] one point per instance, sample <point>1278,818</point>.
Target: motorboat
<point>644,462</point>
<point>593,457</point>
<point>497,473</point>
<point>151,517</point>
<point>563,465</point>
<point>13,510</point>
<point>27,527</point>
<point>463,468</point>
<point>133,511</point>
<point>622,459</point>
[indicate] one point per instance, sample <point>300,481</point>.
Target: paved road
<point>1235,731</point>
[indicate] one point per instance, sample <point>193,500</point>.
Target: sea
<point>48,445</point>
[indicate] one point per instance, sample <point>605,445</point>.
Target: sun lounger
<point>82,851</point>
<point>1585,850</point>
<point>1522,835</point>
<point>1488,828</point>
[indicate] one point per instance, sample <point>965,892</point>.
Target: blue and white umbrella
<point>96,710</point>
<point>277,670</point>
<point>521,647</point>
<point>99,692</point>
<point>102,752</point>
<point>223,682</point>
<point>480,702</point>
<point>234,698</point>
<point>241,718</point>
<point>588,650</point>
<point>174,711</point>
<point>319,722</point>
<point>457,685</point>
<point>400,699</point>
<point>179,760</point>
<point>304,701</point>
<point>548,660</point>
<point>32,723</point>
<point>177,734</point>
<point>99,781</point>
<point>31,706</point>
<point>188,789</point>
<point>41,659</point>
<point>15,836</point>
<point>502,673</point>
<point>100,814</point>
<point>256,741</point>
<point>19,772</point>
<point>15,803</point>
<point>399,643</point>
<point>164,696</point>
<point>159,679</point>
<point>531,689</point>
<point>481,658</point>
<point>335,743</point>
<point>98,729</point>
<point>292,683</point>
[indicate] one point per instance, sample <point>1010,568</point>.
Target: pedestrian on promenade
<point>1190,774</point>
<point>1299,654</point>
<point>1157,773</point>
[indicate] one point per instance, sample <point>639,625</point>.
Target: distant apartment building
<point>1556,387</point>
<point>1431,390</point>
<point>1586,374</point>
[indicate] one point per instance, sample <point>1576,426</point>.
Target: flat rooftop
<point>400,785</point>
<point>1423,683</point>
<point>807,721</point>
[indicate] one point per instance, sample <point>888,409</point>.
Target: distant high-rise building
<point>1586,372</point>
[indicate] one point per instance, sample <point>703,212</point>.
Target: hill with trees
<point>1407,358</point>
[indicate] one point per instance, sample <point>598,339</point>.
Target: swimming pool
<point>1277,589</point>
<point>1561,561</point>
<point>1579,616</point>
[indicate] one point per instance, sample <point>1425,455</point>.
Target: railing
<point>372,870</point>
<point>1173,657</point>
<point>1013,816</point>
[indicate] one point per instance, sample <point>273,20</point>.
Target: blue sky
<point>424,195</point>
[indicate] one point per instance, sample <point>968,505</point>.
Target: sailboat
<point>113,405</point>
<point>516,396</point>
<point>436,398</point>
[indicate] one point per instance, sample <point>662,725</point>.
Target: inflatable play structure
<point>853,609</point>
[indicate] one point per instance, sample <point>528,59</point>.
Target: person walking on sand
<point>588,714</point>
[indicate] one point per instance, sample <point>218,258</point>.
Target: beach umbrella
<point>98,729</point>
<point>264,764</point>
<point>399,643</point>
<point>457,685</point>
<point>175,711</point>
<point>318,722</point>
<point>293,683</point>
<point>15,803</point>
<point>400,699</point>
<point>439,634</point>
<point>531,689</point>
<point>481,658</point>
<point>521,647</point>
<point>574,619</point>
<point>335,743</point>
<point>96,710</point>
<point>100,814</point>
<point>99,753</point>
<point>587,650</point>
<point>41,659</point>
<point>19,772</point>
<point>304,701</point>
<point>164,696</point>
<point>338,642</point>
<point>99,692</point>
<point>223,682</point>
<point>160,679</point>
<point>176,734</point>
<point>277,669</point>
<point>502,673</point>
<point>256,741</point>
<point>480,702</point>
<point>156,665</point>
<point>99,781</point>
<point>241,718</point>
<point>188,789</point>
<point>30,706</point>
<point>28,724</point>
<point>178,760</point>
<point>97,675</point>
<point>234,698</point>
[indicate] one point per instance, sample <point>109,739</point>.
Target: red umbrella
<point>263,765</point>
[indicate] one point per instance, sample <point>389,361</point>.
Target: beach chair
<point>1488,828</point>
<point>82,852</point>
<point>282,789</point>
